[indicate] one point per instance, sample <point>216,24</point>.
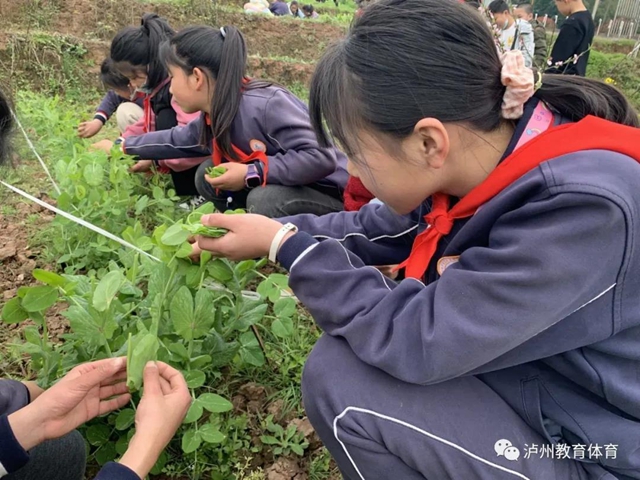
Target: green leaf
<point>93,174</point>
<point>83,325</point>
<point>204,314</point>
<point>158,193</point>
<point>220,270</point>
<point>38,299</point>
<point>252,312</point>
<point>269,440</point>
<point>214,403</point>
<point>297,449</point>
<point>12,312</point>
<point>250,351</point>
<point>107,289</point>
<point>141,204</point>
<point>200,361</point>
<point>106,453</point>
<point>282,327</point>
<point>98,434</point>
<point>140,352</point>
<point>194,378</point>
<point>194,413</point>
<point>122,444</point>
<point>284,307</point>
<point>49,278</point>
<point>184,251</point>
<point>182,315</point>
<point>211,434</point>
<point>190,441</point>
<point>179,349</point>
<point>125,419</point>
<point>175,235</point>
<point>158,280</point>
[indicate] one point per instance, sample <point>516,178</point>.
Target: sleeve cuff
<point>116,471</point>
<point>101,116</point>
<point>294,248</point>
<point>12,456</point>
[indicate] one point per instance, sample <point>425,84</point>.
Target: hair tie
<point>223,33</point>
<point>519,83</point>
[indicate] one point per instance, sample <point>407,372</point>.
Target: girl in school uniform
<point>259,132</point>
<point>512,348</point>
<point>135,51</point>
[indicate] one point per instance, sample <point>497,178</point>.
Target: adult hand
<point>231,180</point>
<point>249,235</point>
<point>87,391</point>
<point>165,402</point>
<point>104,145</point>
<point>196,251</point>
<point>90,128</point>
<point>141,166</point>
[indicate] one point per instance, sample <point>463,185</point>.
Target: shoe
<point>193,203</point>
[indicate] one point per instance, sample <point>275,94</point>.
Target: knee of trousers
<point>325,378</point>
<point>267,200</point>
<point>202,186</point>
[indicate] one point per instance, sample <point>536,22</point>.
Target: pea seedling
<point>194,225</point>
<point>215,172</point>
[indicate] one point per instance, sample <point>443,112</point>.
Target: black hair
<point>499,6</point>
<point>527,7</point>
<point>6,128</point>
<point>308,8</point>
<point>404,60</point>
<point>222,54</point>
<point>110,77</point>
<point>139,47</point>
<point>473,3</point>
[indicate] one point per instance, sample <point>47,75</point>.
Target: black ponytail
<point>222,54</point>
<point>404,60</point>
<point>6,128</point>
<point>139,47</point>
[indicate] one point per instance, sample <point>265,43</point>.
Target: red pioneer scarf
<point>591,133</point>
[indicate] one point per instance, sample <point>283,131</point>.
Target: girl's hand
<point>249,236</point>
<point>141,166</point>
<point>89,390</point>
<point>164,404</point>
<point>104,145</point>
<point>232,180</point>
<point>90,128</point>
<point>34,390</point>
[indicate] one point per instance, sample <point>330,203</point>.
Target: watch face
<point>253,182</point>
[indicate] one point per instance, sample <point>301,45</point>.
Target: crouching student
<point>258,132</point>
<point>136,53</point>
<point>121,99</point>
<point>518,327</point>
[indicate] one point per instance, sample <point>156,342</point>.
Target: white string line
<point>33,148</point>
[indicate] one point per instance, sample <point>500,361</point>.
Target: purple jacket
<point>279,8</point>
<point>269,116</point>
<point>540,299</point>
<point>111,102</point>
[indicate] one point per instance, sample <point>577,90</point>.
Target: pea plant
<point>151,303</point>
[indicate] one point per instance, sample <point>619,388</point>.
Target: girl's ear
<point>432,141</point>
<point>200,79</point>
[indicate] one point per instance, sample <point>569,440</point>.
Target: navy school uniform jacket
<point>537,294</point>
<point>269,118</point>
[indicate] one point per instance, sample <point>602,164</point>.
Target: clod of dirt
<point>9,250</point>
<point>9,294</point>
<point>276,409</point>
<point>254,407</point>
<point>252,391</point>
<point>303,425</point>
<point>286,469</point>
<point>239,403</point>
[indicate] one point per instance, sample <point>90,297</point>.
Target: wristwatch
<point>252,178</point>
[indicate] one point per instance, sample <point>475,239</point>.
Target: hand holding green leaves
<point>215,172</point>
<point>164,404</point>
<point>249,236</point>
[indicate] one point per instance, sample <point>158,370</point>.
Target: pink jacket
<point>175,164</point>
